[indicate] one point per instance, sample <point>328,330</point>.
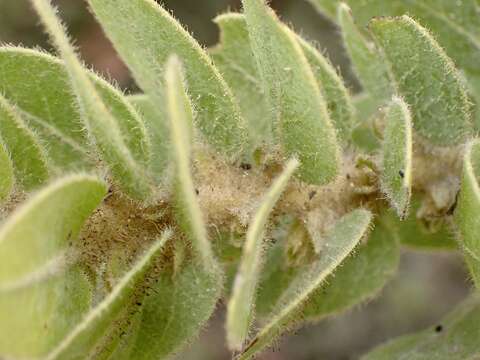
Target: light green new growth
<point>85,340</point>
<point>98,119</point>
<point>36,272</point>
<point>180,118</point>
<point>299,112</point>
<point>456,338</point>
<point>466,215</point>
<point>27,154</point>
<point>145,35</point>
<point>440,109</point>
<point>366,59</point>
<point>397,156</point>
<point>341,241</point>
<point>242,301</point>
<point>7,180</point>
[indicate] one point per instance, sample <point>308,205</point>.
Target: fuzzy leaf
<point>455,25</point>
<point>366,59</point>
<point>88,334</point>
<point>146,47</point>
<point>7,178</point>
<point>157,127</point>
<point>341,241</point>
<point>182,300</point>
<point>455,338</point>
<point>242,300</point>
<point>48,106</point>
<point>35,276</point>
<point>235,60</point>
<point>177,308</point>
<point>99,120</point>
<point>466,215</point>
<point>337,97</point>
<point>397,156</point>
<point>360,277</point>
<point>27,154</point>
<point>301,118</point>
<point>440,109</point>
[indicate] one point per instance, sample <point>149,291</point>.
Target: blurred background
<point>427,285</point>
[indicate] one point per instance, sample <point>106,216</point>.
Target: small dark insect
<point>139,303</point>
<point>197,191</point>
<point>401,173</point>
<point>312,194</point>
<point>245,166</point>
<point>438,328</point>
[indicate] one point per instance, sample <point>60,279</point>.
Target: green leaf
<point>99,120</point>
<point>7,179</point>
<point>301,120</point>
<point>440,109</point>
<point>361,276</point>
<point>235,60</point>
<point>182,300</point>
<point>366,59</point>
<point>41,295</point>
<point>242,301</point>
<point>88,334</point>
<point>397,156</point>
<point>454,338</point>
<point>337,97</point>
<point>146,47</point>
<point>47,104</point>
<point>466,215</point>
<point>341,241</point>
<point>177,308</point>
<point>157,127</point>
<point>27,154</point>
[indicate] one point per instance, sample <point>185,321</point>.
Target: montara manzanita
<point>246,172</point>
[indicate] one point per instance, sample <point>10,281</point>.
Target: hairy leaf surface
<point>467,214</point>
<point>88,334</point>
<point>242,300</point>
<point>299,113</point>
<point>41,296</point>
<point>97,117</point>
<point>146,46</point>
<point>7,179</point>
<point>38,85</point>
<point>397,156</point>
<point>28,155</point>
<point>427,79</point>
<point>341,241</point>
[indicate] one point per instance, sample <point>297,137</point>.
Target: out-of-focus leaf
<point>300,116</point>
<point>454,338</point>
<point>397,156</point>
<point>467,214</point>
<point>145,48</point>
<point>28,155</point>
<point>242,300</point>
<point>427,79</point>
<point>341,241</point>
<point>41,295</point>
<point>100,121</point>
